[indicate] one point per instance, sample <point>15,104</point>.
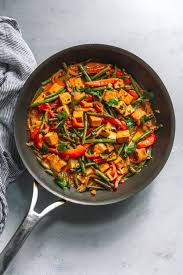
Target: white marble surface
<point>143,235</point>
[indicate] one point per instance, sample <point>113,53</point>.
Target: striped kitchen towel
<point>16,64</point>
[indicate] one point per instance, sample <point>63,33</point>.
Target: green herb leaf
<point>62,146</point>
<point>62,115</point>
<point>147,95</point>
<point>130,148</point>
<point>44,149</point>
<point>113,101</point>
<point>130,123</point>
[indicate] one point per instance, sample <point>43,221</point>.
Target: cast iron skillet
<point>147,77</point>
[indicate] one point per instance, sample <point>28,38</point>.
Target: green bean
<point>103,184</point>
<point>136,86</point>
<point>36,104</point>
<point>42,122</point>
<point>121,148</point>
<point>92,133</point>
<point>89,164</point>
<point>67,138</point>
<point>132,170</point>
<point>85,128</point>
<point>81,163</point>
<point>53,119</point>
<point>76,181</point>
<point>84,72</point>
<point>65,66</point>
<point>62,90</point>
<point>99,173</point>
<point>103,140</point>
<point>58,124</point>
<point>101,73</point>
<point>100,88</point>
<point>42,163</point>
<point>128,175</point>
<point>99,115</point>
<point>46,82</point>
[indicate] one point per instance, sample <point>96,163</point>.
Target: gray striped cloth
<point>16,64</point>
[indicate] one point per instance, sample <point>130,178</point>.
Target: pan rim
<point>150,179</point>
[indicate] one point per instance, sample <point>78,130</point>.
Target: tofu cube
<point>119,162</point>
<point>95,121</point>
<point>65,98</point>
<point>76,82</point>
<point>51,138</point>
<point>109,95</point>
<point>138,114</point>
<point>63,108</point>
<point>119,84</point>
<point>106,129</point>
<point>148,108</point>
<point>110,147</point>
<point>123,136</point>
<point>140,155</point>
<point>129,110</point>
<point>78,96</point>
<point>54,88</point>
<point>125,96</point>
<point>121,107</point>
<point>103,167</point>
<point>73,163</point>
<point>78,115</point>
<point>100,148</point>
<point>56,163</point>
<point>112,135</point>
<point>110,174</point>
<point>137,134</point>
<point>89,171</point>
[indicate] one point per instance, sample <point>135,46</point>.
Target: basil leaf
<point>130,123</point>
<point>130,148</point>
<point>44,149</point>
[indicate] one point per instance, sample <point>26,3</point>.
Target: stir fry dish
<point>91,126</point>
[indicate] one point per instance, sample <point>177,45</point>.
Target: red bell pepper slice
<point>133,93</point>
<point>38,141</point>
<point>118,72</point>
<point>92,156</point>
<point>94,68</point>
<point>127,80</point>
<point>117,181</point>
<point>44,107</point>
<point>150,140</point>
<point>102,82</point>
<point>74,153</point>
<point>34,133</point>
<point>89,98</point>
<point>117,122</point>
<point>77,124</point>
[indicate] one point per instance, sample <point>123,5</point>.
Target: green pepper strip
<point>36,104</point>
<point>101,73</point>
<point>85,73</point>
<point>136,86</point>
<point>76,181</point>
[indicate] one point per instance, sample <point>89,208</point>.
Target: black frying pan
<point>147,77</point>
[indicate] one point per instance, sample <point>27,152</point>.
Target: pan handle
<point>31,219</point>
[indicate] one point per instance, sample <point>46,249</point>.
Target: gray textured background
<point>141,236</point>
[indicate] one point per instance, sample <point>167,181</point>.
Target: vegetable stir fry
<point>91,126</point>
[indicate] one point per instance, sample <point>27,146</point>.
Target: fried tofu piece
<point>95,121</point>
<point>78,96</point>
<point>110,174</point>
<point>106,129</point>
<point>119,84</point>
<point>121,107</point>
<point>110,147</point>
<point>89,171</point>
<point>119,162</point>
<point>138,114</point>
<point>129,110</point>
<point>63,108</point>
<point>78,115</point>
<point>76,82</point>
<point>112,135</point>
<point>100,148</point>
<point>147,107</point>
<point>72,163</point>
<point>51,138</point>
<point>65,98</point>
<point>54,88</point>
<point>109,95</point>
<point>125,96</point>
<point>123,136</point>
<point>103,167</point>
<point>56,163</point>
<point>139,155</point>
